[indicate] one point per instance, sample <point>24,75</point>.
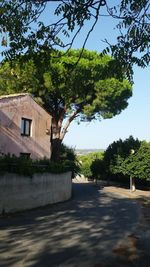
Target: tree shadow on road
<point>80,232</point>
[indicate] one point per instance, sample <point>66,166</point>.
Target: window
<point>26,127</point>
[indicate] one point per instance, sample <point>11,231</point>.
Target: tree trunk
<point>55,141</point>
<point>56,149</point>
<point>58,133</point>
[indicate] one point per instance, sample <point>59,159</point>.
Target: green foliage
<point>117,152</point>
<point>134,30</point>
<point>22,29</point>
<point>95,88</point>
<point>137,165</point>
<point>16,77</point>
<point>86,161</point>
<point>16,32</point>
<point>68,156</point>
<point>124,159</point>
<point>27,166</point>
<point>14,164</point>
<point>98,169</point>
<point>68,153</point>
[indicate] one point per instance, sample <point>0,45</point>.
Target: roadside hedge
<point>27,166</point>
<point>124,159</point>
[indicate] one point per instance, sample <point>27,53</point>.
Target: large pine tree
<point>94,88</point>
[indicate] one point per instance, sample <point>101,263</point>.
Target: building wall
<point>12,109</point>
<point>19,193</point>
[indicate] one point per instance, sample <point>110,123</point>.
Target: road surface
<point>84,231</point>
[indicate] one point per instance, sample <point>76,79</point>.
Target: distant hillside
<point>87,151</point>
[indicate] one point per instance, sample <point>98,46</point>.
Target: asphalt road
<point>80,232</point>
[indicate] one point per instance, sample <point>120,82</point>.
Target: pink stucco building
<point>24,127</point>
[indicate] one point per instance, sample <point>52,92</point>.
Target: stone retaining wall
<point>19,193</point>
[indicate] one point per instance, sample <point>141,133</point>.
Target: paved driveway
<point>84,231</point>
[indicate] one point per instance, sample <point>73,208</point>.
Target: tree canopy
<point>128,158</point>
<point>23,30</point>
<point>96,88</point>
<point>118,152</point>
<point>137,164</point>
<point>124,159</point>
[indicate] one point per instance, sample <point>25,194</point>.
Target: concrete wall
<point>12,109</point>
<point>19,193</point>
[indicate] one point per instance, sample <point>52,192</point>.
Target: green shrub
<point>67,153</point>
<point>116,153</point>
<point>86,161</point>
<point>137,165</point>
<point>122,160</point>
<point>15,164</point>
<point>98,169</point>
<point>69,159</point>
<point>27,166</point>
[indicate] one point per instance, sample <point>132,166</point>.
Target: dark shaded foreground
<point>85,231</point>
